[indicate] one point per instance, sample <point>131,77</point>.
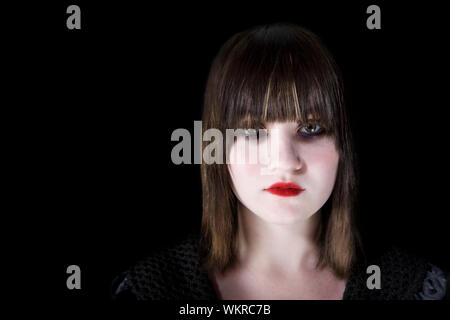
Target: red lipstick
<point>285,189</point>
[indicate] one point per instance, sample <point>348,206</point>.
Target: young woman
<point>281,227</point>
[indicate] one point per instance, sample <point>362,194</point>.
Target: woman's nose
<point>284,153</point>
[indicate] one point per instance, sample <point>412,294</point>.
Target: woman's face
<point>309,160</point>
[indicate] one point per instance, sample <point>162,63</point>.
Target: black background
<point>94,109</point>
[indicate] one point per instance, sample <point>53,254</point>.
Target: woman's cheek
<point>323,163</point>
<point>245,160</point>
<point>244,175</point>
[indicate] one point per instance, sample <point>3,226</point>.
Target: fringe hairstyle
<point>278,72</point>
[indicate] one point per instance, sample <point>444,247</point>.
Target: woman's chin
<point>285,216</point>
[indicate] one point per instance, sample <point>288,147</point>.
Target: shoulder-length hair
<point>278,72</point>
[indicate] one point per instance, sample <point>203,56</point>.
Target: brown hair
<point>278,72</point>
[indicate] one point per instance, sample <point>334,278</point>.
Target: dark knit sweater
<point>174,273</point>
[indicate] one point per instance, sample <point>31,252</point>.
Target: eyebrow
<point>311,115</point>
<point>310,118</point>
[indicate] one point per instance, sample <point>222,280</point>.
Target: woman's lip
<point>285,185</point>
<point>285,189</point>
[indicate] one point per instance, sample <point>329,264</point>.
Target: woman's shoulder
<point>402,275</point>
<point>170,273</point>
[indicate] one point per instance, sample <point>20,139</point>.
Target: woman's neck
<point>283,249</point>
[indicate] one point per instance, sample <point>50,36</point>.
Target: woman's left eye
<point>311,129</point>
<point>259,133</point>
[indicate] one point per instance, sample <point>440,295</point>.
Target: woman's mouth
<point>285,189</point>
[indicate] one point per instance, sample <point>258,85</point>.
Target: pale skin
<point>277,253</point>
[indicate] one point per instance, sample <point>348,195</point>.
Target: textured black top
<point>174,273</point>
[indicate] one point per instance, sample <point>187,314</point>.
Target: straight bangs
<point>272,75</point>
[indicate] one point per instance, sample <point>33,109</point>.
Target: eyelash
<point>319,132</point>
<point>305,135</point>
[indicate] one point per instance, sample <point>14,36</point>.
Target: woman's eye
<point>311,130</point>
<point>251,133</point>
<point>255,133</point>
